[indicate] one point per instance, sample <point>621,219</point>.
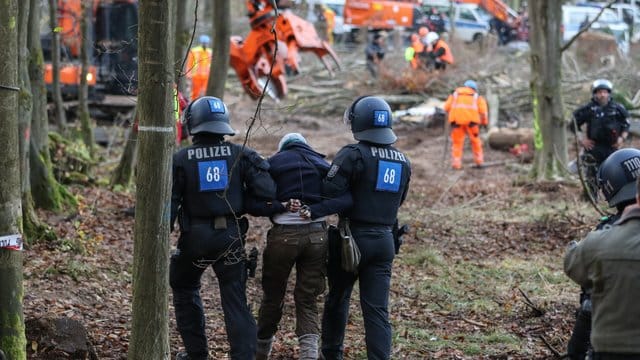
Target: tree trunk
<point>550,138</point>
<point>220,61</point>
<point>31,224</point>
<point>208,12</point>
<point>46,191</point>
<point>83,96</point>
<point>12,336</point>
<point>124,171</point>
<point>56,91</point>
<point>150,324</point>
<point>182,41</point>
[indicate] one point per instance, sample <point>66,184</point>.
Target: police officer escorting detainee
<point>607,262</point>
<point>210,181</point>
<point>377,176</point>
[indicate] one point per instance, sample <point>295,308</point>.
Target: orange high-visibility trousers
<point>458,133</point>
<point>198,86</point>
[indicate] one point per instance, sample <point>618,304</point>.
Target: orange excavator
<point>383,15</point>
<point>255,58</point>
<point>113,63</point>
<point>113,60</point>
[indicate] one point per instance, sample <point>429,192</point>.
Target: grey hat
<point>290,138</point>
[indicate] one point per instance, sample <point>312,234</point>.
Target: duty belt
<point>218,222</point>
<point>317,225</point>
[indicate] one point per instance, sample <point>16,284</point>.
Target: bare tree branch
<point>585,28</point>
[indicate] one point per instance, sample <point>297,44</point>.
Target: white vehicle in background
<point>470,20</point>
<point>575,16</point>
<point>628,13</point>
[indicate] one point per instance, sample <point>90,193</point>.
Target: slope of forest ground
<point>479,276</point>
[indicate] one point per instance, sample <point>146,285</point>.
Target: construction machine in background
<point>113,68</point>
<point>255,58</point>
<point>384,15</point>
<point>497,8</point>
<point>113,65</point>
<point>505,20</point>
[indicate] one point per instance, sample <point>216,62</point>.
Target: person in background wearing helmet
<point>298,171</point>
<point>377,176</point>
<point>211,179</point>
<point>198,67</point>
<point>467,111</point>
<point>602,127</point>
<point>438,50</point>
<point>375,53</point>
<point>606,264</point>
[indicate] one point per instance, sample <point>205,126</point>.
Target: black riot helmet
<point>618,174</point>
<point>208,114</point>
<point>370,120</point>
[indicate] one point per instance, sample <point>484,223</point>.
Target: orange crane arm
<point>496,8</point>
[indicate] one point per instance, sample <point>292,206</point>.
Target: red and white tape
<point>11,242</point>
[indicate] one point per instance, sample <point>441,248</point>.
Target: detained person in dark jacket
<point>297,240</point>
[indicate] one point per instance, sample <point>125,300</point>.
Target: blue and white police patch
<point>381,118</point>
<point>213,175</point>
<point>216,106</point>
<point>389,176</point>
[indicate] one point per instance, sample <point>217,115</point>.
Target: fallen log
<point>505,139</point>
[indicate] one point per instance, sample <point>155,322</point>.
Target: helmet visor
<point>346,118</point>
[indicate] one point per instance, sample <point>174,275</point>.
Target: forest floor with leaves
<point>479,276</point>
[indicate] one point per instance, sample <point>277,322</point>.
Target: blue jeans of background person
<point>230,269</point>
<point>374,274</point>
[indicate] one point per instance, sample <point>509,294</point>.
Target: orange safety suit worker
<point>198,65</point>
<point>330,18</point>
<point>446,56</point>
<point>467,111</point>
<point>418,47</point>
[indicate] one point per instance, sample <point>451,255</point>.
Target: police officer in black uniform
<point>210,180</point>
<point>620,192</point>
<point>606,127</point>
<point>377,176</point>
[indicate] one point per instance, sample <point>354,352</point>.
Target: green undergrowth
<point>466,306</point>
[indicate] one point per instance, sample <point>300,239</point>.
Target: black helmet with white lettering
<point>208,114</point>
<point>618,174</point>
<point>370,120</point>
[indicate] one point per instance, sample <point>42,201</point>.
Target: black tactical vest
<point>378,192</point>
<point>607,124</point>
<point>208,173</point>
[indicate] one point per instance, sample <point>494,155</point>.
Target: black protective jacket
<point>604,123</point>
<point>213,177</point>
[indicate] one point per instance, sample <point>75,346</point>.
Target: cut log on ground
<point>505,139</point>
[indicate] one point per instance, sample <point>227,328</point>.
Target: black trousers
<point>374,274</point>
<point>225,254</point>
